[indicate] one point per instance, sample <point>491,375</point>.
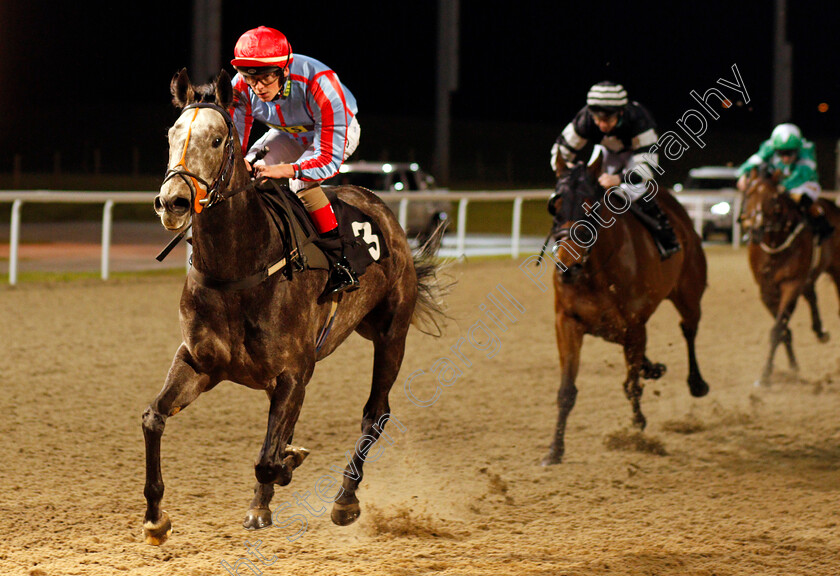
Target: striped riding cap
<point>261,49</point>
<point>607,96</point>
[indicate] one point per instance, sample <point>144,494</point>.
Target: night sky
<point>78,76</point>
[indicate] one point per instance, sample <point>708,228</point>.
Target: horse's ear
<point>777,175</point>
<point>182,90</point>
<point>224,90</point>
<point>595,164</point>
<point>561,167</point>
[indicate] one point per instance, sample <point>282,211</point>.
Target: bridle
<point>211,194</point>
<point>561,228</point>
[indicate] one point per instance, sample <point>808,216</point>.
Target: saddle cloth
<point>361,235</point>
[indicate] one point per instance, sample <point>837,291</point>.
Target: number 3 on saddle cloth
<point>361,237</point>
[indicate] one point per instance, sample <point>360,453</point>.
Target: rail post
<point>462,227</point>
<point>516,228</point>
<point>14,241</point>
<point>107,219</point>
<point>403,213</point>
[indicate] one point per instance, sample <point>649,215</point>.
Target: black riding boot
<point>663,233</point>
<point>342,277</point>
<point>815,215</point>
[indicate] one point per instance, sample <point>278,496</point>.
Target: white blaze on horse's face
<point>196,145</point>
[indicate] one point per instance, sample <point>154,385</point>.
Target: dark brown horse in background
<point>244,323</point>
<point>785,259</point>
<point>609,283</point>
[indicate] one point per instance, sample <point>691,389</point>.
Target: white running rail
<point>696,203</point>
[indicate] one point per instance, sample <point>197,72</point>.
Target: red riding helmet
<point>261,49</point>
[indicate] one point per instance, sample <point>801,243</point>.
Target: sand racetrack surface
<point>748,484</point>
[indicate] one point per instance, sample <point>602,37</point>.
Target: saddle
<point>360,234</point>
<point>649,214</point>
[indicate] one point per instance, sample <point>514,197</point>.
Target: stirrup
<point>666,250</point>
<point>665,253</point>
<point>342,279</point>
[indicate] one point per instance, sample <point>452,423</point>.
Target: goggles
<point>264,79</point>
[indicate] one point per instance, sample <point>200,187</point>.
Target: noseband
<point>211,194</point>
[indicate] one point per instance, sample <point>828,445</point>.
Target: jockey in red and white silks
<point>312,121</point>
<point>312,129</point>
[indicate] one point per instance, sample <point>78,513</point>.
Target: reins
<point>787,243</point>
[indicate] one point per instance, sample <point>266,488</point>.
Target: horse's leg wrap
<point>319,208</point>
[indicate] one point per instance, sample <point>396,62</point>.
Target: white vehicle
<point>713,179</point>
<point>423,215</point>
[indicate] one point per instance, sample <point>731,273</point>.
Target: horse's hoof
<point>257,518</point>
<point>824,337</point>
<point>345,514</point>
<point>157,533</point>
<point>294,456</point>
<point>639,422</point>
<point>654,371</point>
<point>698,388</point>
<point>551,459</point>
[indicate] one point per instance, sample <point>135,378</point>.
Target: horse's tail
<point>429,312</point>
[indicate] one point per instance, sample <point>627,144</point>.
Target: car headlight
<point>720,209</point>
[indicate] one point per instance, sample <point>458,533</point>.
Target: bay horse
<point>609,281</point>
<point>785,258</point>
<point>262,332</point>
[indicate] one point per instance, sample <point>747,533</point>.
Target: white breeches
<point>811,189</point>
<point>284,148</point>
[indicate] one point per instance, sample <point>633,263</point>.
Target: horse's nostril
<point>181,204</point>
<point>158,204</point>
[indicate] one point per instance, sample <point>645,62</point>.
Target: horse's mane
<point>571,185</point>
